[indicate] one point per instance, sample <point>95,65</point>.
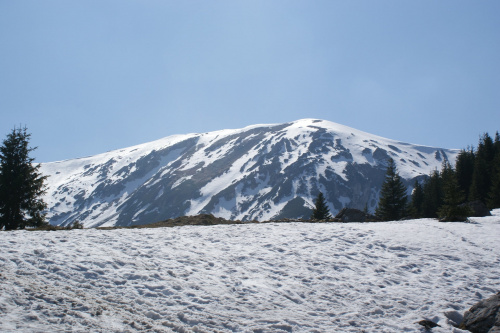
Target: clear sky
<point>88,76</point>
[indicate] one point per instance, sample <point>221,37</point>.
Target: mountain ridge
<point>256,172</point>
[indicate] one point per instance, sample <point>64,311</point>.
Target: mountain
<point>259,172</point>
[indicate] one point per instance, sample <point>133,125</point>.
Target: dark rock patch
<point>427,324</point>
<point>478,208</point>
<point>353,215</point>
<point>484,316</point>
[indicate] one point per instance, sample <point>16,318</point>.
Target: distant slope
<point>258,172</point>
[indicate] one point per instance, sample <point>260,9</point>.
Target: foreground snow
<point>295,277</point>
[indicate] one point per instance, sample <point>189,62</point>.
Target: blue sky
<point>90,76</point>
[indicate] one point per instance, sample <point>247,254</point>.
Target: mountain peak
<point>257,172</point>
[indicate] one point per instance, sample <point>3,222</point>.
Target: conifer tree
<point>494,194</point>
<point>483,164</point>
<point>21,185</point>
<point>417,199</point>
<point>321,211</point>
<point>453,197</point>
<point>447,171</point>
<point>393,199</point>
<point>496,143</point>
<point>434,192</point>
<point>464,169</point>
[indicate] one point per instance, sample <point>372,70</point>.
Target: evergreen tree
<point>479,181</point>
<point>488,148</point>
<point>483,165</point>
<point>417,199</point>
<point>321,211</point>
<point>496,143</point>
<point>393,199</point>
<point>453,197</point>
<point>464,169</point>
<point>433,195</point>
<point>494,194</point>
<point>447,172</point>
<point>21,185</point>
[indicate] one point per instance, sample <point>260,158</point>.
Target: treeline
<point>470,188</point>
<point>474,178</point>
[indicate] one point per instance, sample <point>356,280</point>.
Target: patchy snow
<point>113,179</point>
<point>288,277</point>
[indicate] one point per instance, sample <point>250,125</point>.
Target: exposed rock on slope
<point>483,317</point>
<point>258,172</point>
<point>354,215</point>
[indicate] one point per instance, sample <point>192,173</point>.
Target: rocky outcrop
<point>478,208</point>
<point>353,215</point>
<point>483,317</point>
<point>428,324</point>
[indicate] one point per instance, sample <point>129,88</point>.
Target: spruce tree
<point>453,197</point>
<point>321,211</point>
<point>392,202</point>
<point>21,185</point>
<point>434,191</point>
<point>496,143</point>
<point>464,169</point>
<point>483,165</point>
<point>494,194</point>
<point>417,199</point>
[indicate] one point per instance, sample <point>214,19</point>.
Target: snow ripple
<point>295,277</point>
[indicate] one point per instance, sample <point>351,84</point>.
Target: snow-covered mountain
<point>258,172</point>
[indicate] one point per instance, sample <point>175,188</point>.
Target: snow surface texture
<point>288,277</point>
<point>258,172</point>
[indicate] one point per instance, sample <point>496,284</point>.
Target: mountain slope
<point>258,172</point>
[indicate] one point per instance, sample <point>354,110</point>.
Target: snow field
<point>288,277</point>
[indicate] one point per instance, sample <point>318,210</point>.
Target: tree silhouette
<point>321,211</point>
<point>417,199</point>
<point>392,203</point>
<point>21,185</point>
<point>453,197</point>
